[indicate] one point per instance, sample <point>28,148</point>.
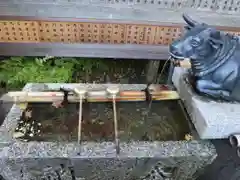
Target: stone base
<point>212,120</point>
<point>59,160</point>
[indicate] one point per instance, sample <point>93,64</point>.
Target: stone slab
<point>137,160</point>
<point>212,120</point>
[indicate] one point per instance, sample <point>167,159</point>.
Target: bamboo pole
<point>22,97</point>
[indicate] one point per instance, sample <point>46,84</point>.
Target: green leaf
<point>16,71</point>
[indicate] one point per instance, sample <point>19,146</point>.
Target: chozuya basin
<point>173,158</point>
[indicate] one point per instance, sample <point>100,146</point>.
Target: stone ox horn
<point>189,20</point>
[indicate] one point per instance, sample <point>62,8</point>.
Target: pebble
<point>101,123</point>
<point>188,137</point>
<point>18,134</point>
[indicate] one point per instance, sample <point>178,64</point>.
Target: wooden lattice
<point>18,31</point>
<point>78,32</point>
<point>69,32</point>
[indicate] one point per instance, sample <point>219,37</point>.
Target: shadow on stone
<point>4,109</point>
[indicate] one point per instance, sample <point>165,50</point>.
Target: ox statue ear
<point>187,27</point>
<point>215,39</point>
<point>215,34</point>
<point>204,24</point>
<point>189,21</point>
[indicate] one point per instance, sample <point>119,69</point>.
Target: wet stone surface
<point>163,154</point>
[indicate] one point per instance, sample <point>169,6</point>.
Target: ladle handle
<point>113,91</point>
<point>116,126</point>
<point>80,121</point>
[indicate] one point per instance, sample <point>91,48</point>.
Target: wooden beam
<point>110,21</point>
<point>87,20</point>
<point>124,51</point>
<point>131,11</point>
<point>152,71</point>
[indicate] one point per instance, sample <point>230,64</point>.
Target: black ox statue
<point>214,57</point>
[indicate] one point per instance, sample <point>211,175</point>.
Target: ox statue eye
<point>195,41</point>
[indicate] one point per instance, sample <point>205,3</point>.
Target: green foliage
<point>17,71</point>
<point>88,65</point>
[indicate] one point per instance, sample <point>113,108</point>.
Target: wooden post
<point>152,71</point>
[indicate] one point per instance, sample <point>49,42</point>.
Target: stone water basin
<point>152,145</point>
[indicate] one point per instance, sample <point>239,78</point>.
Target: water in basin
<point>164,122</point>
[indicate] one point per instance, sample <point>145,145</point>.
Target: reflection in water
<point>164,122</point>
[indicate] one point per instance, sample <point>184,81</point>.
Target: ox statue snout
<point>175,50</point>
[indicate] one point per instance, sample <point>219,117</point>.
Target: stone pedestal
<point>212,120</point>
<point>137,160</point>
